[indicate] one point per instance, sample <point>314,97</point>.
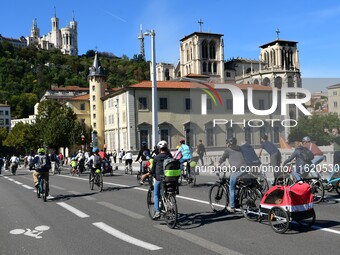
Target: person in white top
<point>128,158</point>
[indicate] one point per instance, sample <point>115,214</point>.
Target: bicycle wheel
<point>317,190</point>
<point>337,187</point>
<point>149,203</point>
<point>44,190</point>
<point>38,191</point>
<point>100,183</point>
<point>91,180</point>
<point>308,221</point>
<point>250,203</point>
<point>171,213</point>
<point>278,219</point>
<point>218,198</point>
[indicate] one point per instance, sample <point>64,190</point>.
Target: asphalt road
<point>76,220</point>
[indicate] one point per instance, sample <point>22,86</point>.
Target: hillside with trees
<point>26,73</point>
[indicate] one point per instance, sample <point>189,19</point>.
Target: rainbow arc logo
<point>213,94</point>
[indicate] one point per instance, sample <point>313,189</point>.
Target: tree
<point>57,124</point>
<point>3,135</point>
<point>21,138</point>
<point>314,128</point>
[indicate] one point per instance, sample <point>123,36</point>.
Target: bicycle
<point>43,188</point>
<point>143,170</point>
<point>128,169</point>
<point>188,174</point>
<point>167,201</point>
<point>96,179</point>
<point>247,195</point>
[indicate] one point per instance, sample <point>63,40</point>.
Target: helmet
<point>182,141</point>
<point>306,139</point>
<point>95,150</point>
<point>162,144</point>
<point>232,141</point>
<point>41,151</point>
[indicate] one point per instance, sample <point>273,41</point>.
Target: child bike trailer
<point>284,204</point>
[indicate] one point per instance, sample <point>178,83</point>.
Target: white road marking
<point>28,187</point>
<point>129,239</point>
<point>121,210</point>
<point>73,210</point>
<point>20,183</point>
<point>198,241</point>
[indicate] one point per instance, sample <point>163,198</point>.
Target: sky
<point>113,26</point>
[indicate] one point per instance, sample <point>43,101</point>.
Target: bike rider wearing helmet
<point>157,171</point>
<point>42,165</point>
<point>144,155</point>
<point>185,151</point>
<point>235,158</point>
<point>318,154</point>
<point>94,162</point>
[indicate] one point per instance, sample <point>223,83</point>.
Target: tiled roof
<point>72,88</point>
<point>191,85</point>
<point>80,98</point>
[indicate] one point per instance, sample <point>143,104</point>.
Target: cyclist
<point>318,154</point>
<point>185,151</point>
<point>95,161</point>
<point>128,159</point>
<point>157,171</point>
<point>144,155</point>
<point>235,157</point>
<point>42,164</point>
<point>301,165</point>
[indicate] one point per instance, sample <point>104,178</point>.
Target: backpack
<point>172,167</point>
<point>249,155</point>
<point>97,162</point>
<point>306,155</point>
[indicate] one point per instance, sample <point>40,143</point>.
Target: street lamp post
<point>154,89</point>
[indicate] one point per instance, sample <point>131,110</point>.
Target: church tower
<point>55,33</point>
<point>35,31</point>
<point>97,82</point>
<point>202,53</point>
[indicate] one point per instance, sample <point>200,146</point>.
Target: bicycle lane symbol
<point>36,232</point>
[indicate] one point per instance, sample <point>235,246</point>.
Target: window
<point>94,116</point>
<point>93,98</point>
<point>188,104</point>
<point>247,134</point>
<point>7,121</point>
<point>228,74</point>
<point>165,135</point>
<point>1,113</point>
<point>335,104</point>
<point>94,107</point>
<point>204,49</point>
<point>335,93</point>
<point>94,125</point>
<point>143,136</point>
<point>212,50</point>
<point>93,88</point>
<point>82,123</point>
<point>142,103</point>
<point>261,104</point>
<point>82,107</point>
<point>189,137</point>
<point>210,136</point>
<point>6,113</point>
<point>229,104</point>
<point>163,103</point>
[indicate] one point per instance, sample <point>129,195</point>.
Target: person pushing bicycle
<point>235,157</point>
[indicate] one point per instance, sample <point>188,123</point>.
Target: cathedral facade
<point>65,39</point>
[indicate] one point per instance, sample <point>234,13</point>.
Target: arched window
<point>256,81</point>
<point>204,49</point>
<point>266,82</point>
<point>278,82</point>
<point>212,50</point>
<point>215,68</point>
<point>167,74</point>
<point>209,67</point>
<point>204,67</point>
<point>290,82</point>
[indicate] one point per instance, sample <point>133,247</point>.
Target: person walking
<point>201,151</point>
<point>114,155</point>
